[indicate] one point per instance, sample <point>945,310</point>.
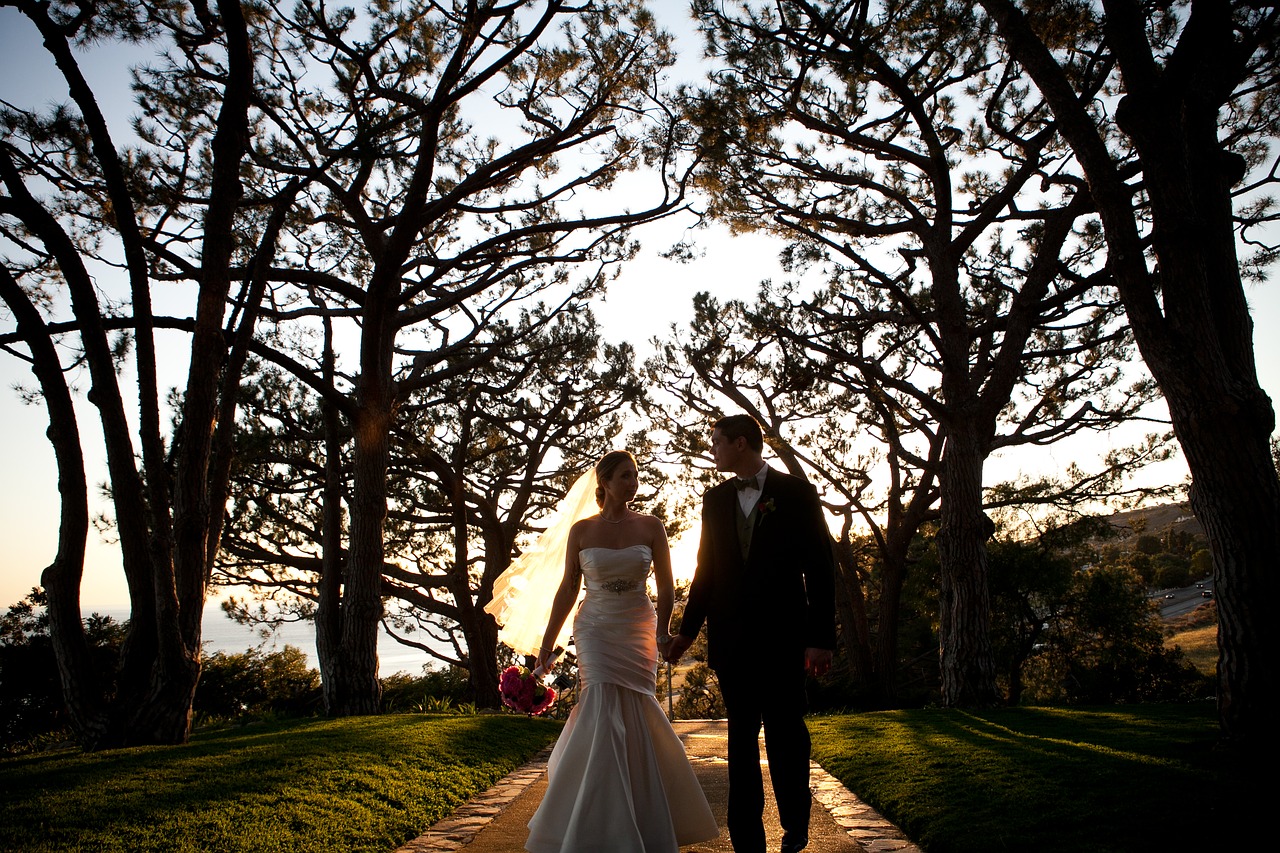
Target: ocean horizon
<point>222,634</point>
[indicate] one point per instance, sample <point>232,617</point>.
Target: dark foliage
<point>252,684</point>
<point>402,692</point>
<point>1104,645</point>
<point>31,704</point>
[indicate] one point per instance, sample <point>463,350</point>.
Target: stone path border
<point>461,827</point>
<point>866,827</point>
<point>864,824</point>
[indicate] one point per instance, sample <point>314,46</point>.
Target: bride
<point>618,778</point>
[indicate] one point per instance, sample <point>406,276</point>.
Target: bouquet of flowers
<point>524,691</point>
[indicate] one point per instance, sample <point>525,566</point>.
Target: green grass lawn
<point>362,784</point>
<point>1128,778</point>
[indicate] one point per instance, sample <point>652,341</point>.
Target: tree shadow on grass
<point>1044,779</point>
<point>362,781</point>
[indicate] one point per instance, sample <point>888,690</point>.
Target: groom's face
<point>725,451</point>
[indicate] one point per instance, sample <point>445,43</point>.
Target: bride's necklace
<point>603,517</point>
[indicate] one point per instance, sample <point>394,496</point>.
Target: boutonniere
<point>765,507</point>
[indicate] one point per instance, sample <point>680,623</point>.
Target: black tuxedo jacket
<point>781,599</point>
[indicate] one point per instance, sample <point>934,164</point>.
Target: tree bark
<point>851,607</point>
<point>1189,315</point>
<point>1202,356</point>
<point>481,635</point>
<point>81,686</point>
<point>356,689</point>
<point>965,657</point>
<point>893,573</point>
<point>329,588</point>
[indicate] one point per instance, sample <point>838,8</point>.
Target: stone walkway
<point>495,821</point>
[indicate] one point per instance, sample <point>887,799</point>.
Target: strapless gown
<point>618,779</point>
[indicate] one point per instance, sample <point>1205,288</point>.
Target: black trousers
<point>772,696</point>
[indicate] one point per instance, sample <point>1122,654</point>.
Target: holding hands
<point>817,662</point>
<point>674,650</point>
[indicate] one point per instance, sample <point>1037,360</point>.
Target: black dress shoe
<point>792,843</point>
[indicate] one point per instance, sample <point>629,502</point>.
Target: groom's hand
<point>817,662</point>
<point>677,647</point>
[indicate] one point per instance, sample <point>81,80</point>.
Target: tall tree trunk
<point>893,574</point>
<point>480,632</point>
<point>356,689</point>
<point>479,629</point>
<point>81,685</point>
<point>131,506</point>
<point>1237,500</point>
<point>1189,317</point>
<point>1202,356</point>
<point>966,661</point>
<point>329,591</point>
<point>182,575</point>
<point>851,608</point>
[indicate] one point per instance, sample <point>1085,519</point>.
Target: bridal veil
<point>523,594</point>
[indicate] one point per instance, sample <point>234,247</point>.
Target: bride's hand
<point>545,659</point>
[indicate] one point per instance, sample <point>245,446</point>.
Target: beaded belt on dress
<point>615,585</point>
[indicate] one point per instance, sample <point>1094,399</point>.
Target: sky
<point>650,294</point>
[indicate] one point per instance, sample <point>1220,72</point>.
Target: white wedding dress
<point>618,779</point>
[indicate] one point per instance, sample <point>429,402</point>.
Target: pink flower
<point>524,693</point>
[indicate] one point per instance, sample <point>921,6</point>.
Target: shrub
<point>31,706</point>
<point>1171,570</point>
<point>251,684</point>
<point>700,697</point>
<point>1106,646</point>
<point>435,688</point>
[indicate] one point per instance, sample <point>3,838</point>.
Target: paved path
<point>496,821</point>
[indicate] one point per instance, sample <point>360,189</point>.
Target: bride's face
<point>623,482</point>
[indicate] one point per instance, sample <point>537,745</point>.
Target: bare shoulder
<point>583,526</point>
<point>653,525</point>
<point>648,520</point>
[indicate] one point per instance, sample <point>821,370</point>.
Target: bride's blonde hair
<point>605,468</point>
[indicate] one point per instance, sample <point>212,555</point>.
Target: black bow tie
<point>741,483</point>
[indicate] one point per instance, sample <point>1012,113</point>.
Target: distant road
<point>1184,600</point>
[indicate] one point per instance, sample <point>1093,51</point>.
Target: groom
<point>765,586</point>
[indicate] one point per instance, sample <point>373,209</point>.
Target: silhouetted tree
<point>1194,117</point>
<point>478,461</point>
<point>462,161</point>
<point>77,205</point>
<point>894,147</point>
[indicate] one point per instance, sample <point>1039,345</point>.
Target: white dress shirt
<point>750,495</point>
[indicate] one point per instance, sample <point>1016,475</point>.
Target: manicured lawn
<point>338,786</point>
<point>1126,779</point>
<point>1129,778</point>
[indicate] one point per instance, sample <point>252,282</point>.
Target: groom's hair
<point>741,426</point>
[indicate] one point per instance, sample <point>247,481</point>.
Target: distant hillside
<point>1156,521</point>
